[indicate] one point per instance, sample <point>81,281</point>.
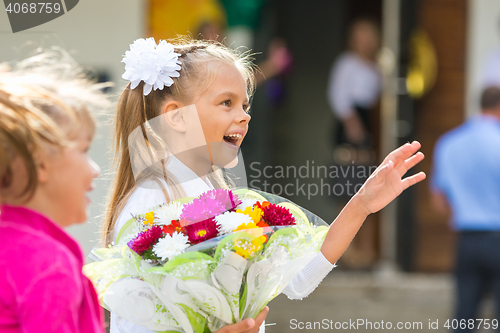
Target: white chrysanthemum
<point>156,65</point>
<point>229,221</point>
<point>167,213</point>
<point>246,203</point>
<point>170,246</point>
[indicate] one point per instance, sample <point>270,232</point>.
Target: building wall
<point>442,109</point>
<point>483,38</point>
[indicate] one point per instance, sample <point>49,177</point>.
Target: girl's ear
<point>15,182</point>
<point>42,167</point>
<point>174,116</point>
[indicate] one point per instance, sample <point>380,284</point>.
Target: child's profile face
<point>223,112</point>
<point>70,175</point>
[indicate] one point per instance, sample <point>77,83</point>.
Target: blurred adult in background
<point>466,183</point>
<point>355,84</point>
<point>353,93</point>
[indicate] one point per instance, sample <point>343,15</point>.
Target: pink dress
<point>42,287</point>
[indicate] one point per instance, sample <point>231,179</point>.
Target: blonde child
<point>45,175</point>
<point>217,84</point>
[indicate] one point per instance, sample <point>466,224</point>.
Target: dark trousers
<point>477,272</point>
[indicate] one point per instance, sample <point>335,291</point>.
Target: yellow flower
<point>255,213</point>
<point>246,249</point>
<point>245,226</point>
<point>251,228</point>
<point>150,218</point>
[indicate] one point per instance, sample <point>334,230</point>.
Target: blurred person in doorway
<point>353,92</point>
<point>466,184</point>
<point>355,83</point>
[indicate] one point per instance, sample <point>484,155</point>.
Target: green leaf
<point>243,300</point>
<point>198,322</point>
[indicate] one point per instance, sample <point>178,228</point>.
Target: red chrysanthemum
<point>275,215</point>
<point>145,239</point>
<point>201,231</point>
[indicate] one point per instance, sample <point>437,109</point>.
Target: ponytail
<point>127,118</point>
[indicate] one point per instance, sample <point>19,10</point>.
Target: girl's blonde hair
<point>199,62</point>
<point>45,102</point>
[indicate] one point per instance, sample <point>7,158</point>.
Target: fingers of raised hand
<point>412,180</point>
<point>401,154</point>
<point>404,152</point>
<point>383,171</point>
<point>410,163</point>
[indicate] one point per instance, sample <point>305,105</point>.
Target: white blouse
<point>151,195</point>
<point>353,82</point>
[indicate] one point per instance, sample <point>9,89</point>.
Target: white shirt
<point>146,197</point>
<point>353,82</point>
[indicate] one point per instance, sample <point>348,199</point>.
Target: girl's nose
<point>96,170</point>
<point>245,117</point>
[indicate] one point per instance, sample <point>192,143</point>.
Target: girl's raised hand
<point>387,182</point>
<point>383,186</point>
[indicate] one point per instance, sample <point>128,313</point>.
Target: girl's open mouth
<point>232,139</point>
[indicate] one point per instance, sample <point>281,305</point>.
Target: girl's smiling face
<point>68,179</point>
<point>223,111</point>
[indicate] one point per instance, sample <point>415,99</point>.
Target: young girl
<point>205,88</point>
<point>45,175</point>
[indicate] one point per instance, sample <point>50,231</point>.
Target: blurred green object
<point>243,12</point>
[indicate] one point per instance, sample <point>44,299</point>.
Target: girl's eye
<point>246,108</point>
<point>227,103</point>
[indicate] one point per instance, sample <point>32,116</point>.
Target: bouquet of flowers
<point>197,264</point>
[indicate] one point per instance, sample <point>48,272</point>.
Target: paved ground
<point>414,300</point>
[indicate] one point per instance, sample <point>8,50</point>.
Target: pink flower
<point>209,205</point>
<point>145,240</point>
<point>201,231</point>
<point>234,201</point>
<point>277,215</point>
<point>226,197</point>
<point>201,209</point>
